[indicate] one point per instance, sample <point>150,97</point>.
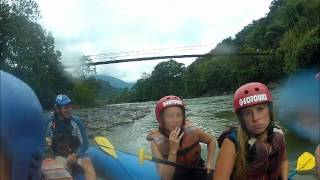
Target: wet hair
<point>241,163</point>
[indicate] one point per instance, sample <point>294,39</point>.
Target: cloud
<point>97,26</point>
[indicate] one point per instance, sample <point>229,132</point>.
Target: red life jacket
<point>264,158</point>
<point>189,149</point>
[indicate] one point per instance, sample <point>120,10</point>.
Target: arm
<point>48,132</point>
<point>49,149</point>
<point>211,145</point>
<point>284,167</point>
<point>165,171</point>
<point>225,160</point>
<point>82,135</point>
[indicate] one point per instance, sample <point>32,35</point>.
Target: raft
<point>108,163</point>
<point>124,166</point>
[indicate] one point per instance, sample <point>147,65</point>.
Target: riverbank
<point>100,119</point>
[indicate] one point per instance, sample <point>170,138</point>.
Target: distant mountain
<point>115,82</point>
<point>108,92</point>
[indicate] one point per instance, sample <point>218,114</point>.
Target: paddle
<point>106,146</point>
<point>143,157</point>
<point>305,162</point>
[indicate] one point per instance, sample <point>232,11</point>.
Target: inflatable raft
<point>123,166</point>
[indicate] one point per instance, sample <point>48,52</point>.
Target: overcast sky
<point>86,27</point>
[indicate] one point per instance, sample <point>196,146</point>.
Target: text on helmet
<point>172,102</point>
<point>253,99</point>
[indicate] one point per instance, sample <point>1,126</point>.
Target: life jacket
<point>264,158</point>
<point>64,142</point>
<point>189,149</point>
<point>60,126</point>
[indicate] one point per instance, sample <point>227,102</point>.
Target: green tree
<point>142,89</point>
<point>193,82</point>
<point>85,91</point>
<point>28,51</point>
<point>289,33</point>
<point>167,79</point>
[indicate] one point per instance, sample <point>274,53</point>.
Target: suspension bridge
<point>88,63</point>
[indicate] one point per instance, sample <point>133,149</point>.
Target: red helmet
<point>251,94</point>
<point>168,101</point>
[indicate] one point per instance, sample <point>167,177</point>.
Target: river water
<point>133,121</point>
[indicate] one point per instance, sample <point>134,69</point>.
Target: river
<point>127,125</point>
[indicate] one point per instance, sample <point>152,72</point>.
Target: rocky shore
<point>103,118</point>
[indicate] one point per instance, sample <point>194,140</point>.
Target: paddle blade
<point>106,146</point>
<point>141,156</point>
<point>306,162</point>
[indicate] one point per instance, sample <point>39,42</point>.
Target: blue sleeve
<point>82,136</point>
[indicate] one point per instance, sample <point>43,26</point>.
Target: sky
<point>90,27</point>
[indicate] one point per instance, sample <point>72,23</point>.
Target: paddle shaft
<point>295,171</point>
<point>162,161</point>
<point>292,174</point>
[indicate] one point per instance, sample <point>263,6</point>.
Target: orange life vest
<point>189,149</point>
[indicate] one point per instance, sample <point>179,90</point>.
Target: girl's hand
<point>209,167</point>
<point>174,140</point>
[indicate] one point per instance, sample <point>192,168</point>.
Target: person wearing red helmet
<point>177,140</point>
<point>256,148</point>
